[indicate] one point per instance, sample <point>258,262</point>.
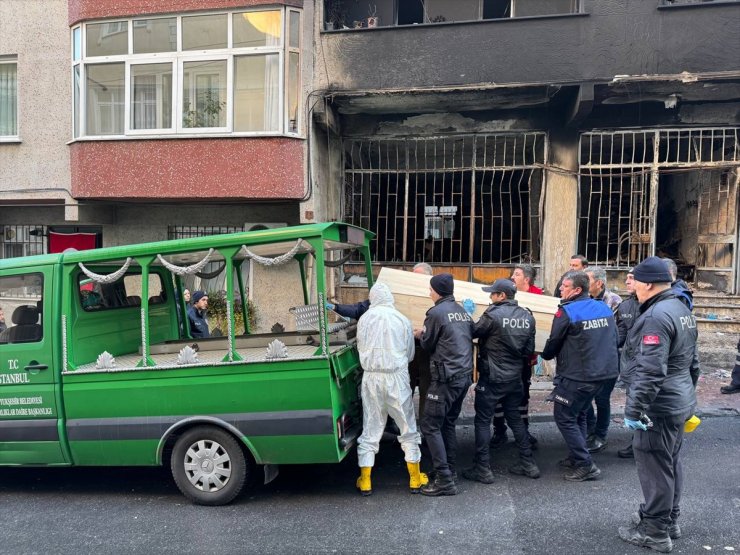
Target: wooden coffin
<point>411,293</point>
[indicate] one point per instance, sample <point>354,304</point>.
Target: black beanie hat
<point>652,270</point>
<point>443,284</point>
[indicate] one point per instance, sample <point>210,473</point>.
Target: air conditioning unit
<point>259,226</point>
<point>16,234</point>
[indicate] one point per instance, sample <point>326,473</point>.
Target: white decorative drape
<point>107,278</point>
<point>276,261</point>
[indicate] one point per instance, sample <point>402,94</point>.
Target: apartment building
<point>476,134</point>
<point>123,122</point>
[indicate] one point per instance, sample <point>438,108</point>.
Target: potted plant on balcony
<point>335,14</point>
<point>373,20</point>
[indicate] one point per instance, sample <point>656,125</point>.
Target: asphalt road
<point>315,509</point>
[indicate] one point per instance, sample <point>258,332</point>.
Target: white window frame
<point>178,59</point>
<point>16,138</point>
<point>286,81</point>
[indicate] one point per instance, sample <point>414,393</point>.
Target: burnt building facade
<point>477,134</point>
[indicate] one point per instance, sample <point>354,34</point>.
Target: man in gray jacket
<point>664,368</point>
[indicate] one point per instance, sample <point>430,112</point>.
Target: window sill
<point>468,22</point>
<point>10,140</point>
<point>669,7</point>
<point>171,137</point>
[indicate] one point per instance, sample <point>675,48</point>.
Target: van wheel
<point>208,466</point>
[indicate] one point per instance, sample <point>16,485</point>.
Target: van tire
<point>209,466</point>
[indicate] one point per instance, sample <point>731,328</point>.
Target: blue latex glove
<point>468,306</point>
<point>329,306</point>
<point>634,425</point>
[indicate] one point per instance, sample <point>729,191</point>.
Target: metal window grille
<point>460,199</point>
<point>217,283</point>
<point>23,240</point>
<point>620,176</point>
<point>188,231</point>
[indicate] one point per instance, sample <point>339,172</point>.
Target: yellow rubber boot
<point>416,477</point>
<point>364,483</point>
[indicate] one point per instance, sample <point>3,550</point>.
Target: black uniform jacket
<point>627,312</point>
<point>448,338</point>
<point>584,338</point>
<point>506,337</point>
<point>662,361</point>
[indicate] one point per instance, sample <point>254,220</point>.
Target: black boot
<point>479,473</point>
<point>526,467</point>
<point>640,536</point>
<point>442,485</point>
<point>626,453</point>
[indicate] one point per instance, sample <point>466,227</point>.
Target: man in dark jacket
<point>584,340</point>
<point>448,337</point>
<point>679,286</point>
<point>627,313</point>
<point>663,363</point>
<point>506,339</point>
<point>734,386</point>
<point>198,316</point>
<point>523,277</point>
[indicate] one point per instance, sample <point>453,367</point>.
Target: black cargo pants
<point>443,405</point>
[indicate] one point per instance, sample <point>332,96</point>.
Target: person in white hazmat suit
<point>385,342</point>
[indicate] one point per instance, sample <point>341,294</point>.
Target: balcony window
<point>229,73</point>
<point>344,14</point>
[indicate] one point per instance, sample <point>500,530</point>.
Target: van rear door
<point>29,431</point>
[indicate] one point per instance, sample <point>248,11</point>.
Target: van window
<point>21,299</point>
<point>123,293</point>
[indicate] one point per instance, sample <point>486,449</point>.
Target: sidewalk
<point>709,399</point>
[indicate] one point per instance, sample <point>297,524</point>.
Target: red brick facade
<point>84,10</point>
<point>254,168</point>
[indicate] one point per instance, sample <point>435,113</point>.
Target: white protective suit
<point>385,341</point>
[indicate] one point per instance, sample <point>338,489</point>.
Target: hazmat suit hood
<point>380,295</point>
<point>385,339</point>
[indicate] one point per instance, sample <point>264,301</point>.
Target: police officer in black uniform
<point>506,337</point>
<point>584,340</point>
<point>663,362</point>
<point>448,337</point>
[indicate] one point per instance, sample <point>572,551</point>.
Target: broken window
<point>467,199</point>
<point>670,192</point>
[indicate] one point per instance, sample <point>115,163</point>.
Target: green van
<point>98,366</point>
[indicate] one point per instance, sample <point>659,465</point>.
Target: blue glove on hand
<point>634,425</point>
<point>329,306</point>
<point>468,306</point>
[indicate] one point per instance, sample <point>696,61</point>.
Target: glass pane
<point>204,32</point>
<point>104,90</point>
<point>257,29</point>
<point>256,100</point>
<point>204,94</point>
<point>155,35</point>
<point>20,317</point>
<point>294,84</point>
<point>107,39</point>
<point>151,96</point>
<point>76,44</point>
<point>294,40</point>
<point>76,107</point>
<point>8,99</point>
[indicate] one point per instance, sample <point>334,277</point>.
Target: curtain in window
<point>272,102</point>
<point>8,99</point>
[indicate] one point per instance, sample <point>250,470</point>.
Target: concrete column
<point>560,219</point>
